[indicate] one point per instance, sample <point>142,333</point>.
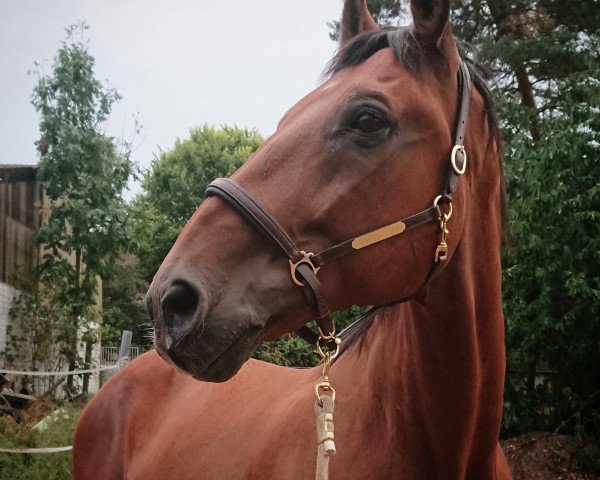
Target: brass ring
<point>323,354</point>
<point>305,259</point>
<point>446,215</point>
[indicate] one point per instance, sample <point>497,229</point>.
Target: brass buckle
<point>306,258</point>
<point>445,215</point>
<point>455,150</point>
<point>324,385</point>
<point>442,249</point>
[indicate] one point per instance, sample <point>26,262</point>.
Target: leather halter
<point>304,266</point>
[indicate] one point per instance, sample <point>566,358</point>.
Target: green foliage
<point>588,458</point>
<point>175,184</point>
<point>40,340</point>
<point>293,351</point>
<point>552,274</point>
<point>287,351</point>
<point>123,307</point>
<point>52,466</point>
<point>385,12</point>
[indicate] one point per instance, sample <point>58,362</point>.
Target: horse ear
<point>356,19</point>
<point>429,19</point>
<point>431,26</point>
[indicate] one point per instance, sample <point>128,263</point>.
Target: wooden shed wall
<point>20,207</point>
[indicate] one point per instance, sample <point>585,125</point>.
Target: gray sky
<point>177,64</point>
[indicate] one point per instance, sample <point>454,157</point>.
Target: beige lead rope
<point>324,407</point>
<point>326,445</point>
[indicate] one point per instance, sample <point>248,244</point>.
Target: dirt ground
<point>544,456</point>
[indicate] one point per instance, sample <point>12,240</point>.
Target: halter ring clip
<point>305,259</point>
<point>329,354</point>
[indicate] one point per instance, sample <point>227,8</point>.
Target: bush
<point>293,351</point>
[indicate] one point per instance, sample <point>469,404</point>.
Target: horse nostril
<point>179,304</point>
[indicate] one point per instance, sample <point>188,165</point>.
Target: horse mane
<point>410,53</point>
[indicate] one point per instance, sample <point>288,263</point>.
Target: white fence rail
<point>110,355</point>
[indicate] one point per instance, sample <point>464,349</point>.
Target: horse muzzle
<point>196,339</point>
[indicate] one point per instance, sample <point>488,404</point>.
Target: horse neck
<point>449,344</point>
<point>434,368</point>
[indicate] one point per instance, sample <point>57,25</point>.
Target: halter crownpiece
<point>304,266</point>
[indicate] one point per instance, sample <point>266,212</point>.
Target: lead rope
<point>326,446</point>
<point>324,407</point>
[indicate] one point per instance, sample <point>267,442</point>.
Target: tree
<point>175,185</point>
<point>543,61</point>
<point>123,305</point>
<point>552,266</point>
<point>385,12</point>
<point>83,172</point>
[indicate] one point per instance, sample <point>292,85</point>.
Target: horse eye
<point>369,123</point>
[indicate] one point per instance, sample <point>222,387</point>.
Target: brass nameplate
<point>378,235</point>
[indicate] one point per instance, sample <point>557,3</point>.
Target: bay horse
<point>376,154</point>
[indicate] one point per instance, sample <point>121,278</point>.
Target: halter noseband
<point>304,266</point>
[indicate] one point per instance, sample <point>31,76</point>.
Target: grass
<point>58,433</point>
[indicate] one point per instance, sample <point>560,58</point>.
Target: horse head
<point>370,146</point>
